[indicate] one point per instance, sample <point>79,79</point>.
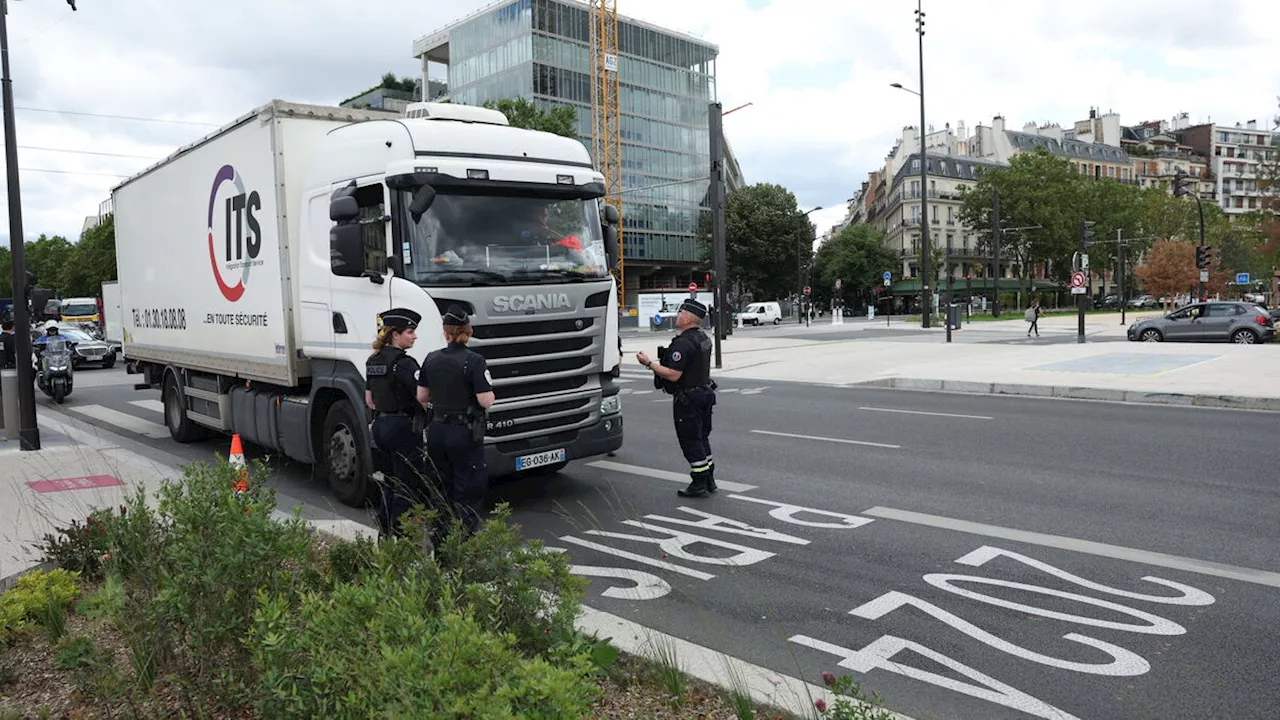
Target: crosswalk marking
<point>664,475</point>
<point>155,405</point>
<point>123,421</point>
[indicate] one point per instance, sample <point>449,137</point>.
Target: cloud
<point>816,71</point>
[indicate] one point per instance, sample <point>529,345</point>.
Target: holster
<point>479,424</point>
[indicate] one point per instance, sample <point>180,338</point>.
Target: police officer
<point>390,392</point>
<point>684,371</point>
<point>456,386</point>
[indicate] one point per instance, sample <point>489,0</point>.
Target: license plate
<point>549,457</point>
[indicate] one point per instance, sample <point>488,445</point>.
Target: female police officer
<point>455,381</point>
<point>390,381</point>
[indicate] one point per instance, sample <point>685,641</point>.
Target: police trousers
<point>403,468</point>
<point>460,462</point>
<point>691,411</point>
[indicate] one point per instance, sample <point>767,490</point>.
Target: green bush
<point>80,547</point>
<point>372,649</point>
<point>107,601</point>
<point>39,595</point>
<point>519,587</point>
<point>75,653</point>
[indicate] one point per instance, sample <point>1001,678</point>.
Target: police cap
<point>455,315</point>
<point>400,318</point>
<point>693,306</point>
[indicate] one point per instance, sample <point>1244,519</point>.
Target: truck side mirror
<point>346,249</point>
<point>611,245</point>
<point>422,200</point>
<point>343,209</point>
<point>611,216</point>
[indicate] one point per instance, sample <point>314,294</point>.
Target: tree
<point>93,260</point>
<point>406,84</point>
<point>858,257</point>
<point>766,239</point>
<point>560,120</point>
<point>1035,189</point>
<point>1169,268</point>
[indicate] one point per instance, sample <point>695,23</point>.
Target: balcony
<point>915,194</point>
<point>951,222</point>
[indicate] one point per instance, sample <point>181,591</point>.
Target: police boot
<point>697,488</point>
<point>711,476</point>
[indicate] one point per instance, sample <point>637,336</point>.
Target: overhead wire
<point>84,152</point>
<point>114,117</point>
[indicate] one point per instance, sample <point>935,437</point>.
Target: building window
<point>915,188</point>
<point>915,165</point>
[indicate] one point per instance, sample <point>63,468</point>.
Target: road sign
<point>693,287</point>
<point>807,290</point>
<point>1204,276</point>
<point>887,276</point>
<point>840,283</point>
<point>1242,278</point>
<point>1077,283</point>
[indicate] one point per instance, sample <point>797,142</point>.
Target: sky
<point>817,73</point>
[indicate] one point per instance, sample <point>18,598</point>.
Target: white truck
<point>254,262</point>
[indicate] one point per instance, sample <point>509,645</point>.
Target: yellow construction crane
<point>606,128</point>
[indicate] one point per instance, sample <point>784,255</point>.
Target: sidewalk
<point>1209,375</point>
<point>73,473</point>
<point>80,468</point>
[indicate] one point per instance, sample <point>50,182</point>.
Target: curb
<point>1073,392</point>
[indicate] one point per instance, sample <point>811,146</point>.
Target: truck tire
<point>181,428</point>
<point>344,458</point>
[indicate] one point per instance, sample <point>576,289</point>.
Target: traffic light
<point>1086,233</point>
<point>1204,256</point>
<point>1180,182</point>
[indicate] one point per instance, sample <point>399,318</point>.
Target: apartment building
<point>1235,156</point>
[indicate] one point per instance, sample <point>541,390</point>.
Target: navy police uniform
<point>690,353</point>
<point>390,378</point>
<point>455,436</point>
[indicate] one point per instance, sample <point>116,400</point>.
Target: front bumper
<point>603,437</point>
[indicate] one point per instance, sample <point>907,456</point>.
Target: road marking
<point>827,439</point>
<point>123,421</point>
<point>623,380</point>
<point>683,479</point>
<point>641,392</point>
<point>155,405</point>
<point>755,391</point>
<point>1147,557</point>
<point>921,412</point>
<point>697,574</point>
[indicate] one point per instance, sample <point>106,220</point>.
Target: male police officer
<point>685,372</point>
<point>455,382</point>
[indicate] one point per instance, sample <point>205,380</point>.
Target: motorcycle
<point>54,376</point>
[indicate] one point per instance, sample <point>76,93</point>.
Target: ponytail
<point>458,333</point>
<point>383,339</point>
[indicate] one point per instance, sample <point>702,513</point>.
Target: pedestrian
<point>684,371</point>
<point>457,389</point>
<point>1033,316</point>
<point>391,380</point>
<point>7,353</point>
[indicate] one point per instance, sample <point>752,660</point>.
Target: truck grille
<point>552,358</point>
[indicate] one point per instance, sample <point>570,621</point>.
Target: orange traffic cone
<point>236,459</point>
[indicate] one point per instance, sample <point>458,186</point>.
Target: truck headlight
<point>611,405</point>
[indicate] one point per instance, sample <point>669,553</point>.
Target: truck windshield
<point>466,239</point>
<point>80,310</point>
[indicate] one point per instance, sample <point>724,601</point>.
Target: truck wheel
<point>181,428</point>
<point>345,461</point>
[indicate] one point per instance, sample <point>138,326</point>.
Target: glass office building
<point>540,50</point>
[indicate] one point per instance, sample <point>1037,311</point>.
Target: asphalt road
<point>963,556</point>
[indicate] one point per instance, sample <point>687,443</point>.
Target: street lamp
<point>926,246</point>
<point>28,430</point>
<point>800,270</point>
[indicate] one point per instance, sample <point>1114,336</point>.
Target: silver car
<point>1237,322</point>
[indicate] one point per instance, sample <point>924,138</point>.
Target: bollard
<point>9,401</point>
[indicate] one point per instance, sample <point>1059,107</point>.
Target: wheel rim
<point>342,453</point>
<point>1244,337</point>
<point>173,410</point>
<point>1151,336</point>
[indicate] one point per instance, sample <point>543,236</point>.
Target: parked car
<point>1144,301</point>
<point>1237,322</point>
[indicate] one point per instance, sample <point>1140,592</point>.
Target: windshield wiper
<point>576,274</point>
<point>489,274</point>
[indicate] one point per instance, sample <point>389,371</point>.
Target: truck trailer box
<point>206,247</point>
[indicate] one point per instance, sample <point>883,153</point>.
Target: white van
<point>761,312</point>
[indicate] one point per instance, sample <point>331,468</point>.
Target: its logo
<point>531,303</point>
<point>242,233</point>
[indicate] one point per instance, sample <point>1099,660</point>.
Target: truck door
<point>358,300</point>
